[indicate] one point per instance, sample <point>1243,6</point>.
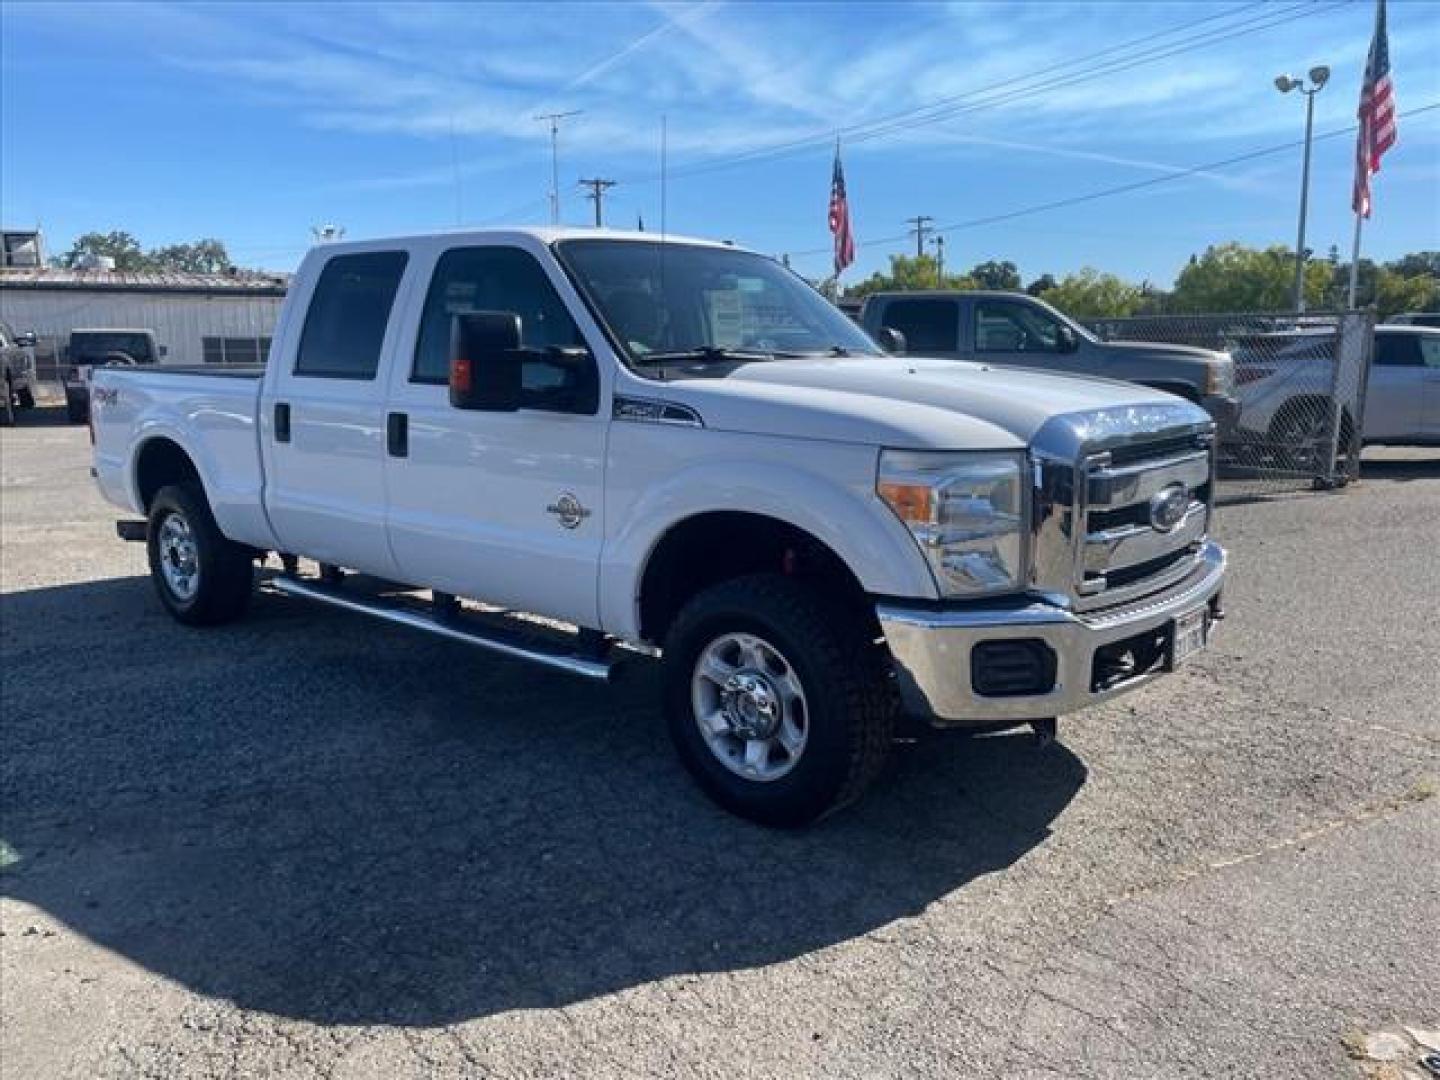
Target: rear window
<point>89,345</point>
<point>345,326</point>
<point>927,324</point>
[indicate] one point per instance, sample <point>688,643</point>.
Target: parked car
<point>1014,328</point>
<point>17,366</point>
<point>90,349</point>
<point>1286,397</point>
<point>680,446</point>
<point>1416,318</point>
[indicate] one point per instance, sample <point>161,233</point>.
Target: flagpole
<point>1355,261</point>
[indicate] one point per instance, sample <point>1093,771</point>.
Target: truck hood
<point>904,402</point>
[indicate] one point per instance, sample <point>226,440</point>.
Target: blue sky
<point>254,122</point>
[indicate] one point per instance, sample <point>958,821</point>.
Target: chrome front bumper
<point>932,648</point>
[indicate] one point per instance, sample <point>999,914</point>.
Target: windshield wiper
<point>704,354</point>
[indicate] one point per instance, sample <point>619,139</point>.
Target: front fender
<point>849,519</point>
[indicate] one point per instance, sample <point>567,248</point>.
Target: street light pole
<point>554,119</point>
<point>1285,83</point>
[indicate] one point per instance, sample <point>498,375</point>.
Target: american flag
<point>840,218</point>
<point>1377,115</point>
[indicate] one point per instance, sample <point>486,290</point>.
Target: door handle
<point>282,421</point>
<point>397,434</point>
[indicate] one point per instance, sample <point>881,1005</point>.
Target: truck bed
<point>135,408</point>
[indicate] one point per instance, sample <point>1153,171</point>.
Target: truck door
<point>1430,353</point>
<point>1023,335</point>
<point>1395,395</point>
<point>323,434</point>
<point>503,507</point>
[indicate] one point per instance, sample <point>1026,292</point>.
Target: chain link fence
<point>1300,382</point>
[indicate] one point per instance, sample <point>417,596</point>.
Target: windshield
<point>673,299</point>
<point>90,344</point>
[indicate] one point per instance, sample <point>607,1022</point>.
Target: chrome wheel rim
<point>179,557</point>
<point>750,707</point>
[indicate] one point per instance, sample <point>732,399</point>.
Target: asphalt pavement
<point>307,845</point>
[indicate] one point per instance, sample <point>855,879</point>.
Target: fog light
<point>1012,668</point>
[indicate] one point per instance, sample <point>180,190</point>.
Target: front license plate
<point>1187,637</point>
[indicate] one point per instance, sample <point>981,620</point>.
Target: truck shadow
<point>322,819</point>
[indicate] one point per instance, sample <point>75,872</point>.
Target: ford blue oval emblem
<point>1168,507</point>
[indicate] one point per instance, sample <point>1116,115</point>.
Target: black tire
<point>851,706</point>
<point>224,571</point>
<point>25,398</point>
<point>77,410</point>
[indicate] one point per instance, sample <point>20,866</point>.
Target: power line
<point>598,187</point>
<point>1119,189</point>
<point>945,108</point>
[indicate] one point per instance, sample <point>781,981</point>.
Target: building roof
<point>240,282</point>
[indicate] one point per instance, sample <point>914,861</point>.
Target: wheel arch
<point>713,546</point>
<point>159,461</point>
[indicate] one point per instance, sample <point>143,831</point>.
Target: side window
<point>1005,326</point>
<point>926,324</point>
<point>1397,350</point>
<point>499,279</point>
<point>345,325</point>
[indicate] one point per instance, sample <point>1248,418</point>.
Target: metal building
<point>198,318</point>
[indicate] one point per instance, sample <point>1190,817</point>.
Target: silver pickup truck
<point>1017,329</point>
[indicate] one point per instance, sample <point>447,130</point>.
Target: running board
<point>600,670</point>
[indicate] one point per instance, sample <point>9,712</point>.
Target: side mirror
<point>26,340</point>
<point>1066,340</point>
<point>485,361</point>
<point>164,350</point>
<point>891,340</point>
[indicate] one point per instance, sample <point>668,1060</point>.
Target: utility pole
<point>921,223</point>
<point>940,261</point>
<point>554,120</point>
<point>598,188</point>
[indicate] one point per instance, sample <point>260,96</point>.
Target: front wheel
<point>777,701</point>
<point>202,578</point>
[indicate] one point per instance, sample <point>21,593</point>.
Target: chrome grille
<point>1093,541</point>
<point>1122,553</point>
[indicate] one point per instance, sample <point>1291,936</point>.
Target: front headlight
<point>965,510</point>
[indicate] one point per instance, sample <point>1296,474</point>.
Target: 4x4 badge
<point>568,509</point>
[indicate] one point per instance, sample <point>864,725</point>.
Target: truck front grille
<point>1125,547</point>
<point>1120,503</point>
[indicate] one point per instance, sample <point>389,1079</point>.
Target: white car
<point>1285,390</point>
<point>680,447</point>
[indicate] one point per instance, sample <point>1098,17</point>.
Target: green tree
<point>201,257</point>
<point>909,272</point>
<point>1041,284</point>
<point>1091,294</point>
<point>1395,293</point>
<point>1416,264</point>
<point>997,275</point>
<point>118,245</point>
<point>1231,277</point>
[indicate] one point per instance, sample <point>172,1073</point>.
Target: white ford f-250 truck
<point>680,447</point>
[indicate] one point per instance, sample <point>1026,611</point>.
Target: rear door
<point>1395,395</point>
<point>502,507</point>
<point>324,435</point>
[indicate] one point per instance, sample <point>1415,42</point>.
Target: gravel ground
<point>306,845</point>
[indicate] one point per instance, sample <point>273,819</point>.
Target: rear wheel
<point>778,702</point>
<point>25,398</point>
<point>201,577</point>
<point>77,409</point>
